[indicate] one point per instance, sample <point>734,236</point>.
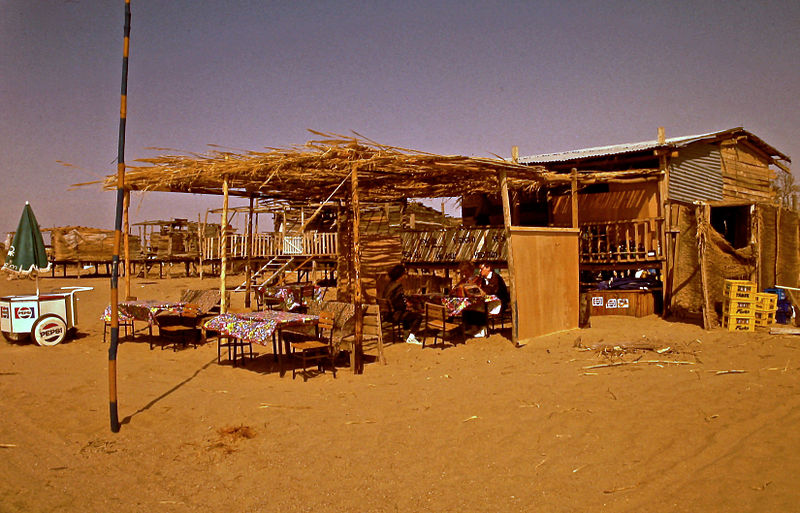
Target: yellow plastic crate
<point>739,308</point>
<point>740,289</point>
<point>734,323</point>
<point>764,318</point>
<point>766,302</point>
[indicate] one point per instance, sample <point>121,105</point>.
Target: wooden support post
<point>126,242</point>
<point>777,243</point>
<point>757,222</point>
<point>512,285</point>
<point>573,176</point>
<point>357,356</point>
<point>200,246</point>
<point>248,270</point>
<point>223,248</point>
<point>700,215</point>
<point>667,265</point>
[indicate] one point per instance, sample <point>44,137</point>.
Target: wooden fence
<point>621,241</point>
<point>600,242</point>
<point>267,245</point>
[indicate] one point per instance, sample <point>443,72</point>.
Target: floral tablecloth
<point>454,304</point>
<point>256,327</point>
<point>291,296</point>
<point>143,310</point>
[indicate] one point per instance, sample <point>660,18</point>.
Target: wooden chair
<point>179,328</point>
<point>493,319</point>
<point>235,346</point>
<point>316,349</point>
<point>436,320</point>
<point>371,332</point>
<point>264,301</point>
<point>387,317</point>
<point>125,322</point>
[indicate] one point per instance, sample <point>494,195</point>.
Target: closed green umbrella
<point>27,256</point>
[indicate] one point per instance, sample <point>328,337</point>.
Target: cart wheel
<point>49,330</point>
<point>14,337</point>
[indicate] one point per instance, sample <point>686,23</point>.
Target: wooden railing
<point>621,241</point>
<point>636,240</point>
<point>454,245</point>
<point>267,245</point>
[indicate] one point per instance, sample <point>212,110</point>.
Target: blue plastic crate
<point>780,292</point>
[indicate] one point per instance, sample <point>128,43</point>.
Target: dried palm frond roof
<point>315,171</point>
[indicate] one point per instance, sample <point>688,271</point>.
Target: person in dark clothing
<point>395,295</point>
<point>468,279</point>
<point>493,284</point>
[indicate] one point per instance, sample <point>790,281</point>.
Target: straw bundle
<point>80,243</point>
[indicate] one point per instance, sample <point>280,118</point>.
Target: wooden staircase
<point>274,271</point>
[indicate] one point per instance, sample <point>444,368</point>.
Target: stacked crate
<point>739,306</point>
<point>766,306</point>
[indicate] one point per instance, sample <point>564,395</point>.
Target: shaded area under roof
<point>321,169</point>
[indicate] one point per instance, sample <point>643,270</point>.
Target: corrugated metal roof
<point>696,174</point>
<point>621,149</point>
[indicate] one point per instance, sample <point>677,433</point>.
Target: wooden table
<point>144,310</point>
<point>259,327</point>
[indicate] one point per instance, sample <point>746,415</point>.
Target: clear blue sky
<point>460,77</point>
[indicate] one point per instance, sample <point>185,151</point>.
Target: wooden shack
<point>74,244</point>
<point>675,205</point>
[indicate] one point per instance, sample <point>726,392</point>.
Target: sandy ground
<point>483,426</point>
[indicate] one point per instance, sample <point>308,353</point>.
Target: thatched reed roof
<point>314,171</point>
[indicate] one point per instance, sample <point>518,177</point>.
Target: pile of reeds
<point>84,244</point>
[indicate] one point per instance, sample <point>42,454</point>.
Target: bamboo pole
<point>357,357</point>
<point>126,238</point>
<point>777,242</point>
<point>662,191</point>
<point>248,271</point>
<point>200,244</point>
<point>114,343</point>
<point>512,285</point>
<point>223,248</point>
<point>574,195</point>
<point>700,215</point>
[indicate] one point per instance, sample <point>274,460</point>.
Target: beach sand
<point>712,426</point>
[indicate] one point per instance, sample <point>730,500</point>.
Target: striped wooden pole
<point>112,348</point>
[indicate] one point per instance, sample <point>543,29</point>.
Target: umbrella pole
<point>112,348</point>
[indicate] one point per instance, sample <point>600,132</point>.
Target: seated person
<point>493,284</point>
<point>468,282</point>
<point>395,295</point>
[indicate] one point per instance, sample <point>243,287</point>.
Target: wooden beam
<point>574,196</point>
<point>357,357</point>
<point>126,242</point>
<point>662,200</point>
<point>512,287</point>
<point>248,267</point>
<point>223,249</point>
<point>701,217</point>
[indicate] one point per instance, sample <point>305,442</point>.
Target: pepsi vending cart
<point>47,317</point>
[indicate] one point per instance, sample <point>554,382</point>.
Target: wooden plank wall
<point>546,280</point>
<point>622,201</point>
<point>779,247</point>
<point>745,172</point>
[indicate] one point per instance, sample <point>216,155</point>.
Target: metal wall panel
<point>696,174</point>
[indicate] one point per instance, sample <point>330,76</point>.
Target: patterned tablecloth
<point>257,327</point>
<point>454,304</point>
<point>291,296</point>
<point>143,310</point>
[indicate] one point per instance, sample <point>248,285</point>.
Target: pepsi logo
<point>23,312</point>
